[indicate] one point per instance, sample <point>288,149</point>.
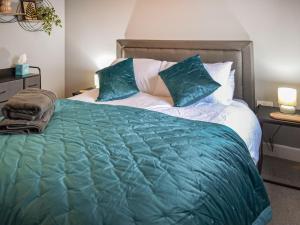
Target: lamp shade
<point>96,80</point>
<point>287,96</point>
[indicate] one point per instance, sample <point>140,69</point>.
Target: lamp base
<point>287,109</point>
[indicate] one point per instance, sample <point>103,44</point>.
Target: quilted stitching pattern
<point>188,81</point>
<point>117,81</point>
<point>115,165</point>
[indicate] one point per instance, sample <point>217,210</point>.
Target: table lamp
<point>287,100</point>
<point>96,80</point>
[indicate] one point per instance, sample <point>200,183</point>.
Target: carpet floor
<point>285,202</point>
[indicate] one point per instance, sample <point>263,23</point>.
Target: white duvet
<point>237,115</point>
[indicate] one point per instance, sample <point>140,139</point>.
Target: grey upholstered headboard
<point>239,52</point>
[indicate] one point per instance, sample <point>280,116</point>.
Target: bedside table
<point>82,91</point>
<point>263,115</point>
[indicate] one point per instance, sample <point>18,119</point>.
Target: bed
<point>237,115</point>
<point>140,160</point>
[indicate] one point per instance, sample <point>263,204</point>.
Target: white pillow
<point>231,85</point>
<point>224,94</point>
<point>146,73</point>
<point>160,87</point>
<point>220,72</point>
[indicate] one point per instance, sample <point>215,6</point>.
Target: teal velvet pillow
<point>117,81</point>
<point>188,81</point>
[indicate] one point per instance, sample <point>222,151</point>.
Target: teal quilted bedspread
<point>116,165</point>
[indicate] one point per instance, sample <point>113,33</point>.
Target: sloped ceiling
<point>186,20</point>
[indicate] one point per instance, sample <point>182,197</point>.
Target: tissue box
<point>22,69</point>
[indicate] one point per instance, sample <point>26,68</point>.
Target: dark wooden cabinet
<point>32,82</point>
<point>10,88</point>
<point>10,84</point>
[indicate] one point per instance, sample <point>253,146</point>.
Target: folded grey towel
<point>29,104</point>
<point>8,126</point>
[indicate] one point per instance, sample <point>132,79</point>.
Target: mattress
<point>238,116</point>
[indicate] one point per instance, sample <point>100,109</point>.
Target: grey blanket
<point>30,104</point>
<point>8,126</point>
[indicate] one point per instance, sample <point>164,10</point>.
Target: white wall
<point>46,52</point>
<point>92,29</point>
<point>273,26</point>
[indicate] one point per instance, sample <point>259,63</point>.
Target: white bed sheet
<point>237,115</point>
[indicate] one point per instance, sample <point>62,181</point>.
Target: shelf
<point>12,14</point>
<point>32,21</point>
<point>8,74</point>
<point>33,25</point>
<point>11,17</point>
<point>19,17</point>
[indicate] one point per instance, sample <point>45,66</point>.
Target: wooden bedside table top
<point>82,91</point>
<point>263,115</point>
